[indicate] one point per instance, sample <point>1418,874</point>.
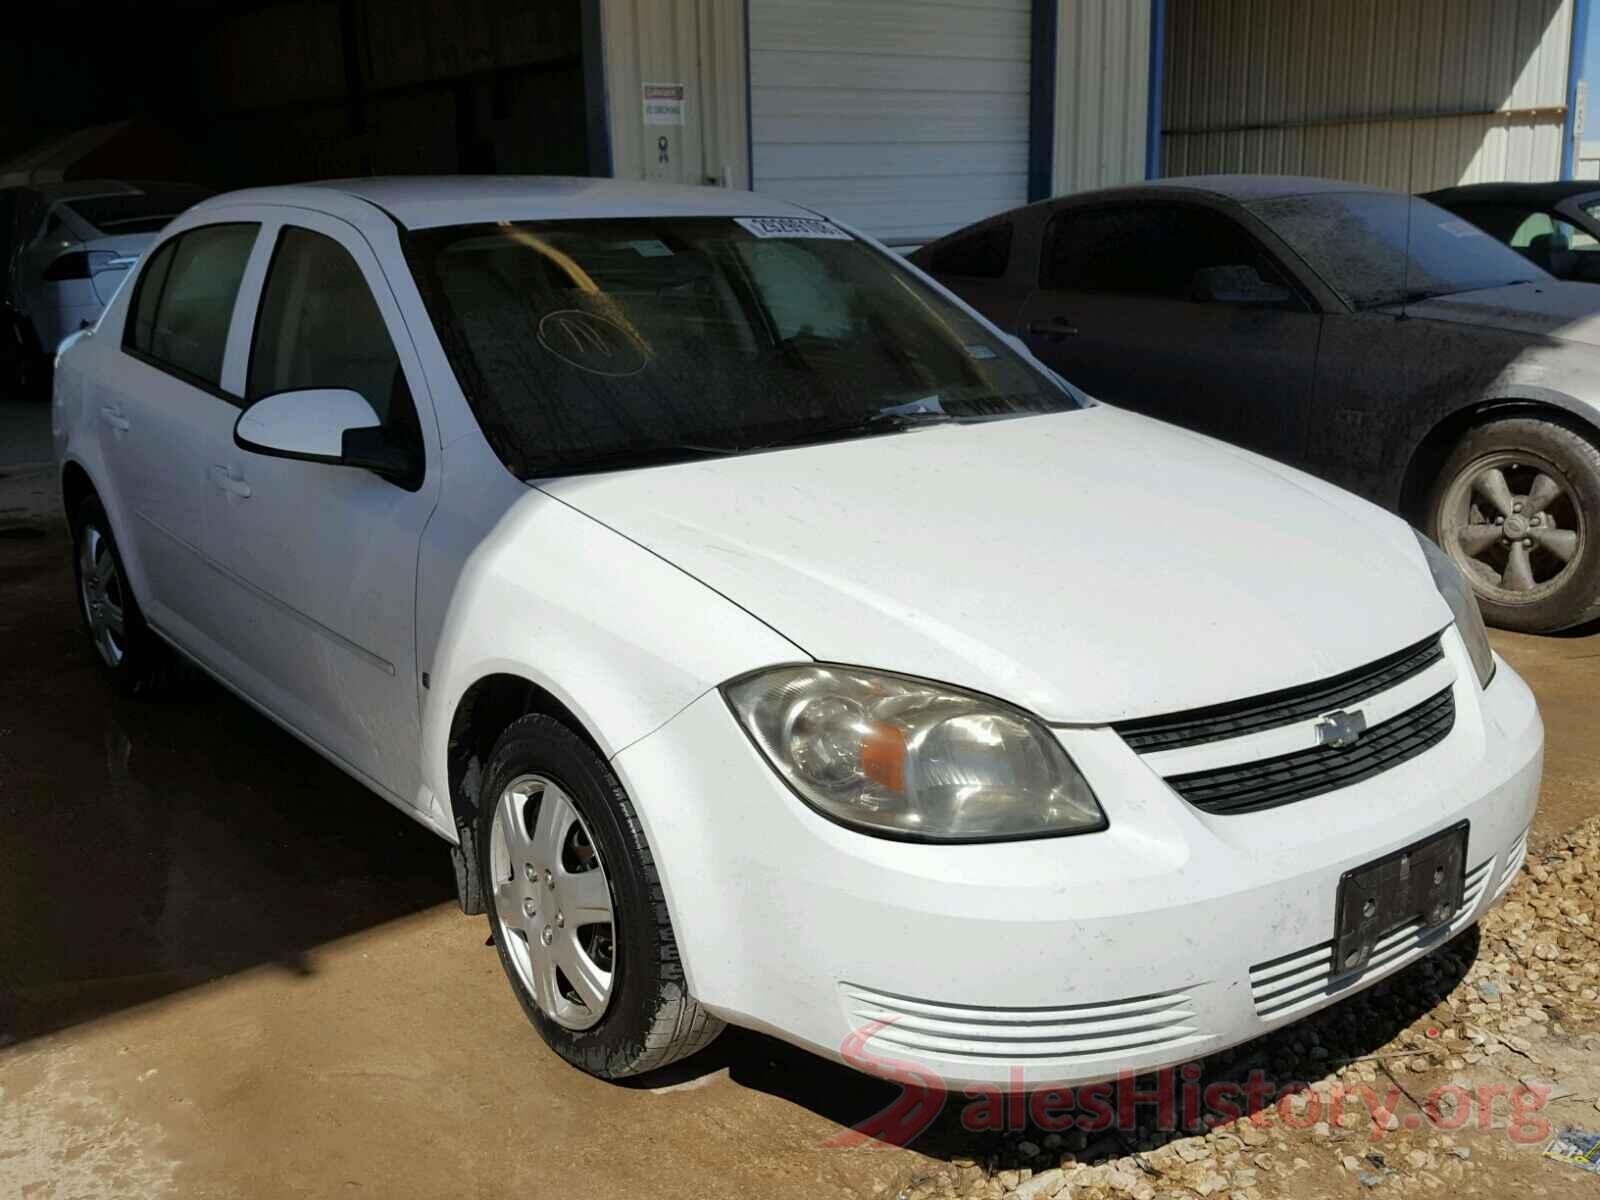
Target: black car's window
<point>136,212</point>
<point>1499,221</point>
<point>181,312</point>
<point>981,254</point>
<point>588,344</point>
<point>319,327</point>
<point>1155,250</point>
<point>1381,248</point>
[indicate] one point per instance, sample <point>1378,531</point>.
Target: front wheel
<point>577,910</point>
<point>1517,505</point>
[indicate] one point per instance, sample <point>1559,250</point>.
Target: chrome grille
<point>1251,786</point>
<point>1220,722</point>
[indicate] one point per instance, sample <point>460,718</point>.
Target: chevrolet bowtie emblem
<point>1339,729</point>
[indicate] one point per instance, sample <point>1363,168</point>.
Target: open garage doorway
<point>236,95</point>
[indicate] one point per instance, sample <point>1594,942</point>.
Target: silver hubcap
<point>552,901</point>
<point>1514,526</point>
<point>103,597</point>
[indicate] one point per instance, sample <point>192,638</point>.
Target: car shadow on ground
<point>147,846</point>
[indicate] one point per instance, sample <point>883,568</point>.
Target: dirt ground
<point>228,971</point>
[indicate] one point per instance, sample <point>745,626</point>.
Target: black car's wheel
<point>577,910</point>
<point>134,659</point>
<point>26,369</point>
<point>1517,505</point>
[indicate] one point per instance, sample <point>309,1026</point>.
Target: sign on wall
<point>663,103</point>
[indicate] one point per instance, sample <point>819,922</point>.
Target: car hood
<point>1090,566</point>
<point>1550,308</point>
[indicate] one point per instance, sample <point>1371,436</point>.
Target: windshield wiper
<point>637,456</point>
<point>888,421</point>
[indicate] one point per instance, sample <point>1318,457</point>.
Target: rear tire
<point>559,839</point>
<point>1517,506</point>
<point>134,660</point>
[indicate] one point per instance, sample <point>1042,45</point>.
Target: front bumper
<point>1170,935</point>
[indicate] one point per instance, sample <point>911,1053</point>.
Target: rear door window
<point>184,303</point>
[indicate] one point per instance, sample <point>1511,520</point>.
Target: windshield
<point>1358,243</point>
<point>136,212</point>
<point>590,344</point>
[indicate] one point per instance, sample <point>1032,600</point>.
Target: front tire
<point>577,910</point>
<point>1517,505</point>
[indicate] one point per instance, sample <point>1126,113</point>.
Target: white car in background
<point>774,641</point>
<point>66,248</point>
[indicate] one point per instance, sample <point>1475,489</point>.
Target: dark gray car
<point>1366,336</point>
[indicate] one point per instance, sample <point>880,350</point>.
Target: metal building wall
<point>1102,93</point>
<point>700,44</point>
<point>903,117</point>
<point>1409,94</point>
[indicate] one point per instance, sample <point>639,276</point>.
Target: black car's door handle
<point>1052,328</point>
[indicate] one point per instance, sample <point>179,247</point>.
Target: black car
<point>1369,337</point>
<point>1553,225</point>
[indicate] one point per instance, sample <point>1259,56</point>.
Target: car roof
<point>1245,188</point>
<point>1551,192</point>
<point>1241,189</point>
<point>423,202</point>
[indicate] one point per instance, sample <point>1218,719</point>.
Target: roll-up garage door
<point>904,118</point>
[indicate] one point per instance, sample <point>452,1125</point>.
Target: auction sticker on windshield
<point>792,227</point>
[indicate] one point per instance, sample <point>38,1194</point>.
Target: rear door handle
<point>230,481</point>
<point>1053,328</point>
<point>114,418</point>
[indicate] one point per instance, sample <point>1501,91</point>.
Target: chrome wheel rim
<point>552,901</point>
<point>1514,526</point>
<point>104,600</point>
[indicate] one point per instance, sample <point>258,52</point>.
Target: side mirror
<point>1241,285</point>
<point>335,426</point>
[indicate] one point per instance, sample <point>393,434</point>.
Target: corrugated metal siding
<point>905,118</point>
<point>700,44</point>
<point>1102,93</point>
<point>1409,94</point>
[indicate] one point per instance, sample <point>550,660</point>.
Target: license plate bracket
<point>1425,881</point>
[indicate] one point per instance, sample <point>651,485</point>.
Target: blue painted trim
<point>1158,87</point>
<point>597,125</point>
<point>749,114</point>
<point>1575,65</point>
<point>1043,48</point>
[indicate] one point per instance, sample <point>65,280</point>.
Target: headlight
<point>1453,586</point>
<point>905,758</point>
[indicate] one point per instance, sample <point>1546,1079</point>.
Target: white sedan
<point>774,641</point>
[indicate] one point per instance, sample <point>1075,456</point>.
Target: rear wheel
<point>1517,506</point>
<point>132,657</point>
<point>577,909</point>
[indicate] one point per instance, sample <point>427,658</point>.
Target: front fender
<point>619,636</point>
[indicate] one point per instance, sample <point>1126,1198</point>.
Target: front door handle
<point>114,418</point>
<point>1051,328</point>
<point>230,481</point>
